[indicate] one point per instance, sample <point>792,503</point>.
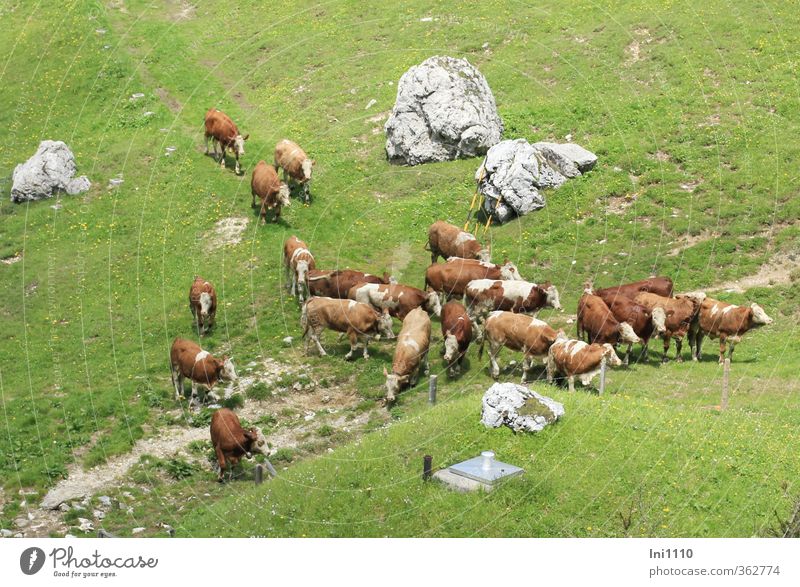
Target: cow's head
<point>205,304</point>
<point>238,144</point>
<point>283,195</point>
<point>588,287</point>
<point>227,371</point>
<point>509,271</point>
<point>257,442</point>
<point>302,271</point>
<point>307,166</point>
<point>626,334</point>
<point>433,304</point>
<point>696,296</point>
<point>659,319</point>
<point>760,317</point>
<point>612,359</point>
<point>561,336</point>
<point>394,383</point>
<point>385,325</point>
<point>450,347</point>
<point>552,297</point>
<point>485,255</point>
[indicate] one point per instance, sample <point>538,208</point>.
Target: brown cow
<point>658,285</point>
<point>296,165</point>
<point>203,303</point>
<point>596,320</point>
<point>680,312</point>
<point>487,295</point>
<point>221,129</point>
<point>724,321</point>
<point>231,441</point>
<point>187,359</point>
<point>347,316</point>
<point>337,284</point>
<point>519,333</point>
<point>297,261</point>
<point>398,300</point>
<point>643,321</point>
<point>451,278</point>
<point>412,349</point>
<point>457,334</point>
<point>577,358</point>
<point>446,240</point>
<point>271,192</point>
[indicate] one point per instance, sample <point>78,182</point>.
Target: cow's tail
<point>304,318</point>
<point>480,346</point>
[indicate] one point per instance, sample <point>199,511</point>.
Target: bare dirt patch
<point>169,100</point>
<point>687,241</point>
<point>11,260</point>
<point>777,271</point>
<point>633,52</point>
<point>619,204</point>
<point>226,232</point>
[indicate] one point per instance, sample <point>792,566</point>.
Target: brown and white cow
<point>519,333</point>
<point>724,321</point>
<point>337,284</point>
<point>446,240</point>
<point>203,303</point>
<point>680,311</point>
<point>642,320</point>
<point>575,358</point>
<point>188,360</point>
<point>221,129</point>
<point>231,442</point>
<point>488,295</point>
<point>271,192</point>
<point>413,343</point>
<point>348,316</point>
<point>398,300</point>
<point>657,285</point>
<point>457,334</point>
<point>295,163</point>
<point>451,278</point>
<point>297,261</point>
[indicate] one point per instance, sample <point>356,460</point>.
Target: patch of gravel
<point>776,272</point>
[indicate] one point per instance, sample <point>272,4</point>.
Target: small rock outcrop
<point>444,111</point>
<point>514,173</point>
<point>519,408</point>
<point>50,170</point>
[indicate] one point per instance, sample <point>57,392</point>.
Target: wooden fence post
<point>259,476</point>
<point>432,390</point>
<point>427,467</point>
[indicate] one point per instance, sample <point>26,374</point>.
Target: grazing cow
<point>519,333</point>
<point>231,441</point>
<point>487,295</point>
<point>457,334</point>
<point>575,358</point>
<point>680,312</point>
<point>187,359</point>
<point>271,192</point>
<point>596,320</point>
<point>346,316</point>
<point>412,349</point>
<point>658,285</point>
<point>643,321</point>
<point>203,303</point>
<point>337,284</point>
<point>446,240</point>
<point>221,129</point>
<point>296,165</point>
<point>724,321</point>
<point>451,278</point>
<point>298,261</point>
<point>398,300</point>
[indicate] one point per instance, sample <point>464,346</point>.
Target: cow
<point>597,322</point>
<point>203,304</point>
<point>487,295</point>
<point>231,441</point>
<point>457,334</point>
<point>451,278</point>
<point>188,360</point>
<point>398,300</point>
<point>348,316</point>
<point>724,321</point>
<point>519,333</point>
<point>271,192</point>
<point>221,129</point>
<point>658,285</point>
<point>575,358</point>
<point>296,165</point>
<point>297,261</point>
<point>680,311</point>
<point>411,351</point>
<point>643,321</point>
<point>337,284</point>
<point>446,240</point>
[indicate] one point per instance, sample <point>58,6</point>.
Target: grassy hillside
<point>692,110</point>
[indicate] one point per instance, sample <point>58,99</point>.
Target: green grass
<point>88,314</point>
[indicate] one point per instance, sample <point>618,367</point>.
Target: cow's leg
<point>527,364</point>
<point>698,345</point>
<point>315,334</point>
<point>427,363</point>
<point>723,340</point>
<point>221,462</point>
<point>494,350</point>
<point>237,168</point>
<point>206,142</point>
<point>293,286</point>
<point>678,346</point>
<point>732,340</point>
<point>571,382</point>
<point>194,401</point>
<point>177,382</point>
<point>627,355</point>
<point>353,336</point>
<point>222,156</point>
<point>664,358</point>
<point>365,354</point>
<point>306,193</point>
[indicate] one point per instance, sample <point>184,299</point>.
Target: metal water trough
<point>485,469</point>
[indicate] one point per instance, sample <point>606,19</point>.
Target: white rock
<point>569,155</point>
<point>50,170</point>
<point>6,533</point>
<point>503,402</point>
<point>138,530</point>
<point>85,525</point>
<point>105,500</point>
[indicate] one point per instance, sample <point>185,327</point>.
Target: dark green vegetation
<point>692,109</point>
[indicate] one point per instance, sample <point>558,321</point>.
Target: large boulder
<point>50,170</point>
<point>444,111</point>
<point>519,408</point>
